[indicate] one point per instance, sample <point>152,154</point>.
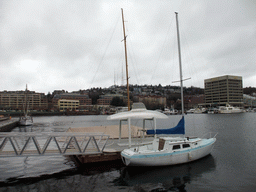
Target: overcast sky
<point>77,44</point>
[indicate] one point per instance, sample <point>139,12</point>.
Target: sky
<point>78,44</point>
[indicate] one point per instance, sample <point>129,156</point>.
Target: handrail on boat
<point>209,135</point>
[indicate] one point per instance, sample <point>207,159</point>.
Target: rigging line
<point>121,65</point>
<point>134,66</point>
<point>133,62</point>
<point>130,47</point>
<point>161,52</point>
<point>101,61</point>
<point>190,59</point>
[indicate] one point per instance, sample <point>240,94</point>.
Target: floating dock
<point>84,145</point>
<point>112,151</point>
<point>7,124</point>
<point>114,146</point>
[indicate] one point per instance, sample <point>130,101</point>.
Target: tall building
<point>15,100</point>
<point>224,90</point>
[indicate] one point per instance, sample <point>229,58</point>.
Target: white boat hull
<point>165,158</point>
<point>230,111</point>
<point>26,121</point>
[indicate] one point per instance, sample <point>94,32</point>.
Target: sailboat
<point>167,150</point>
<point>26,120</point>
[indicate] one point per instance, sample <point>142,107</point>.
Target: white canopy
<point>138,114</point>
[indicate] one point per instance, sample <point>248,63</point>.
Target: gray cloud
<point>77,45</point>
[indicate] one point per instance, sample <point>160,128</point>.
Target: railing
<point>210,135</point>
<point>54,143</point>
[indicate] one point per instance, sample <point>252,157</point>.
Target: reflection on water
<point>114,176</point>
<point>165,178</point>
<point>92,177</point>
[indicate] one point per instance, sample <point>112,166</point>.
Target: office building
<point>15,100</point>
<point>223,90</point>
<point>84,100</point>
<point>68,105</point>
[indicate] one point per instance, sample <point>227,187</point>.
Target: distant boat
<point>229,109</point>
<point>167,150</point>
<point>170,111</point>
<point>121,109</point>
<point>191,111</point>
<point>212,110</point>
<point>26,120</point>
<point>198,111</point>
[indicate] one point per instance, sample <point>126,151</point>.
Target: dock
<point>114,147</point>
<point>84,146</point>
<point>7,124</point>
<point>80,144</point>
<point>112,151</point>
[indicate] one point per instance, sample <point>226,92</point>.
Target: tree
<point>116,101</point>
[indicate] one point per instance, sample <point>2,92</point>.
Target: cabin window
<point>175,147</point>
<point>185,145</point>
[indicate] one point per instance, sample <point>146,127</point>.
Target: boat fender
<point>189,156</point>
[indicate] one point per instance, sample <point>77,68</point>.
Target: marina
<point>108,108</point>
<point>230,167</point>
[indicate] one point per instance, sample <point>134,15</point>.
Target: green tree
<point>117,101</point>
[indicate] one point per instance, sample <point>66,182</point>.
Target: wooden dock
<point>114,147</point>
<point>112,151</point>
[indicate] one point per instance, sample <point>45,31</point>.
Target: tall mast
<point>126,63</point>
<point>181,78</point>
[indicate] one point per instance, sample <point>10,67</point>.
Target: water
<point>230,167</point>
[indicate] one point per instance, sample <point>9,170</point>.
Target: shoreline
<point>34,114</point>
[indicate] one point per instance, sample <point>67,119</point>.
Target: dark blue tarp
<point>179,129</point>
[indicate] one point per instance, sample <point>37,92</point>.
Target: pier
<point>112,151</point>
<point>83,147</point>
<point>62,143</point>
<point>7,124</point>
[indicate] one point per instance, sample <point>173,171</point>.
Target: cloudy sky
<point>77,44</point>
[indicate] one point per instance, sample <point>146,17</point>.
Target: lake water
<point>230,167</point>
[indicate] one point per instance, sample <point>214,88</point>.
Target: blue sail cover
<point>179,129</point>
